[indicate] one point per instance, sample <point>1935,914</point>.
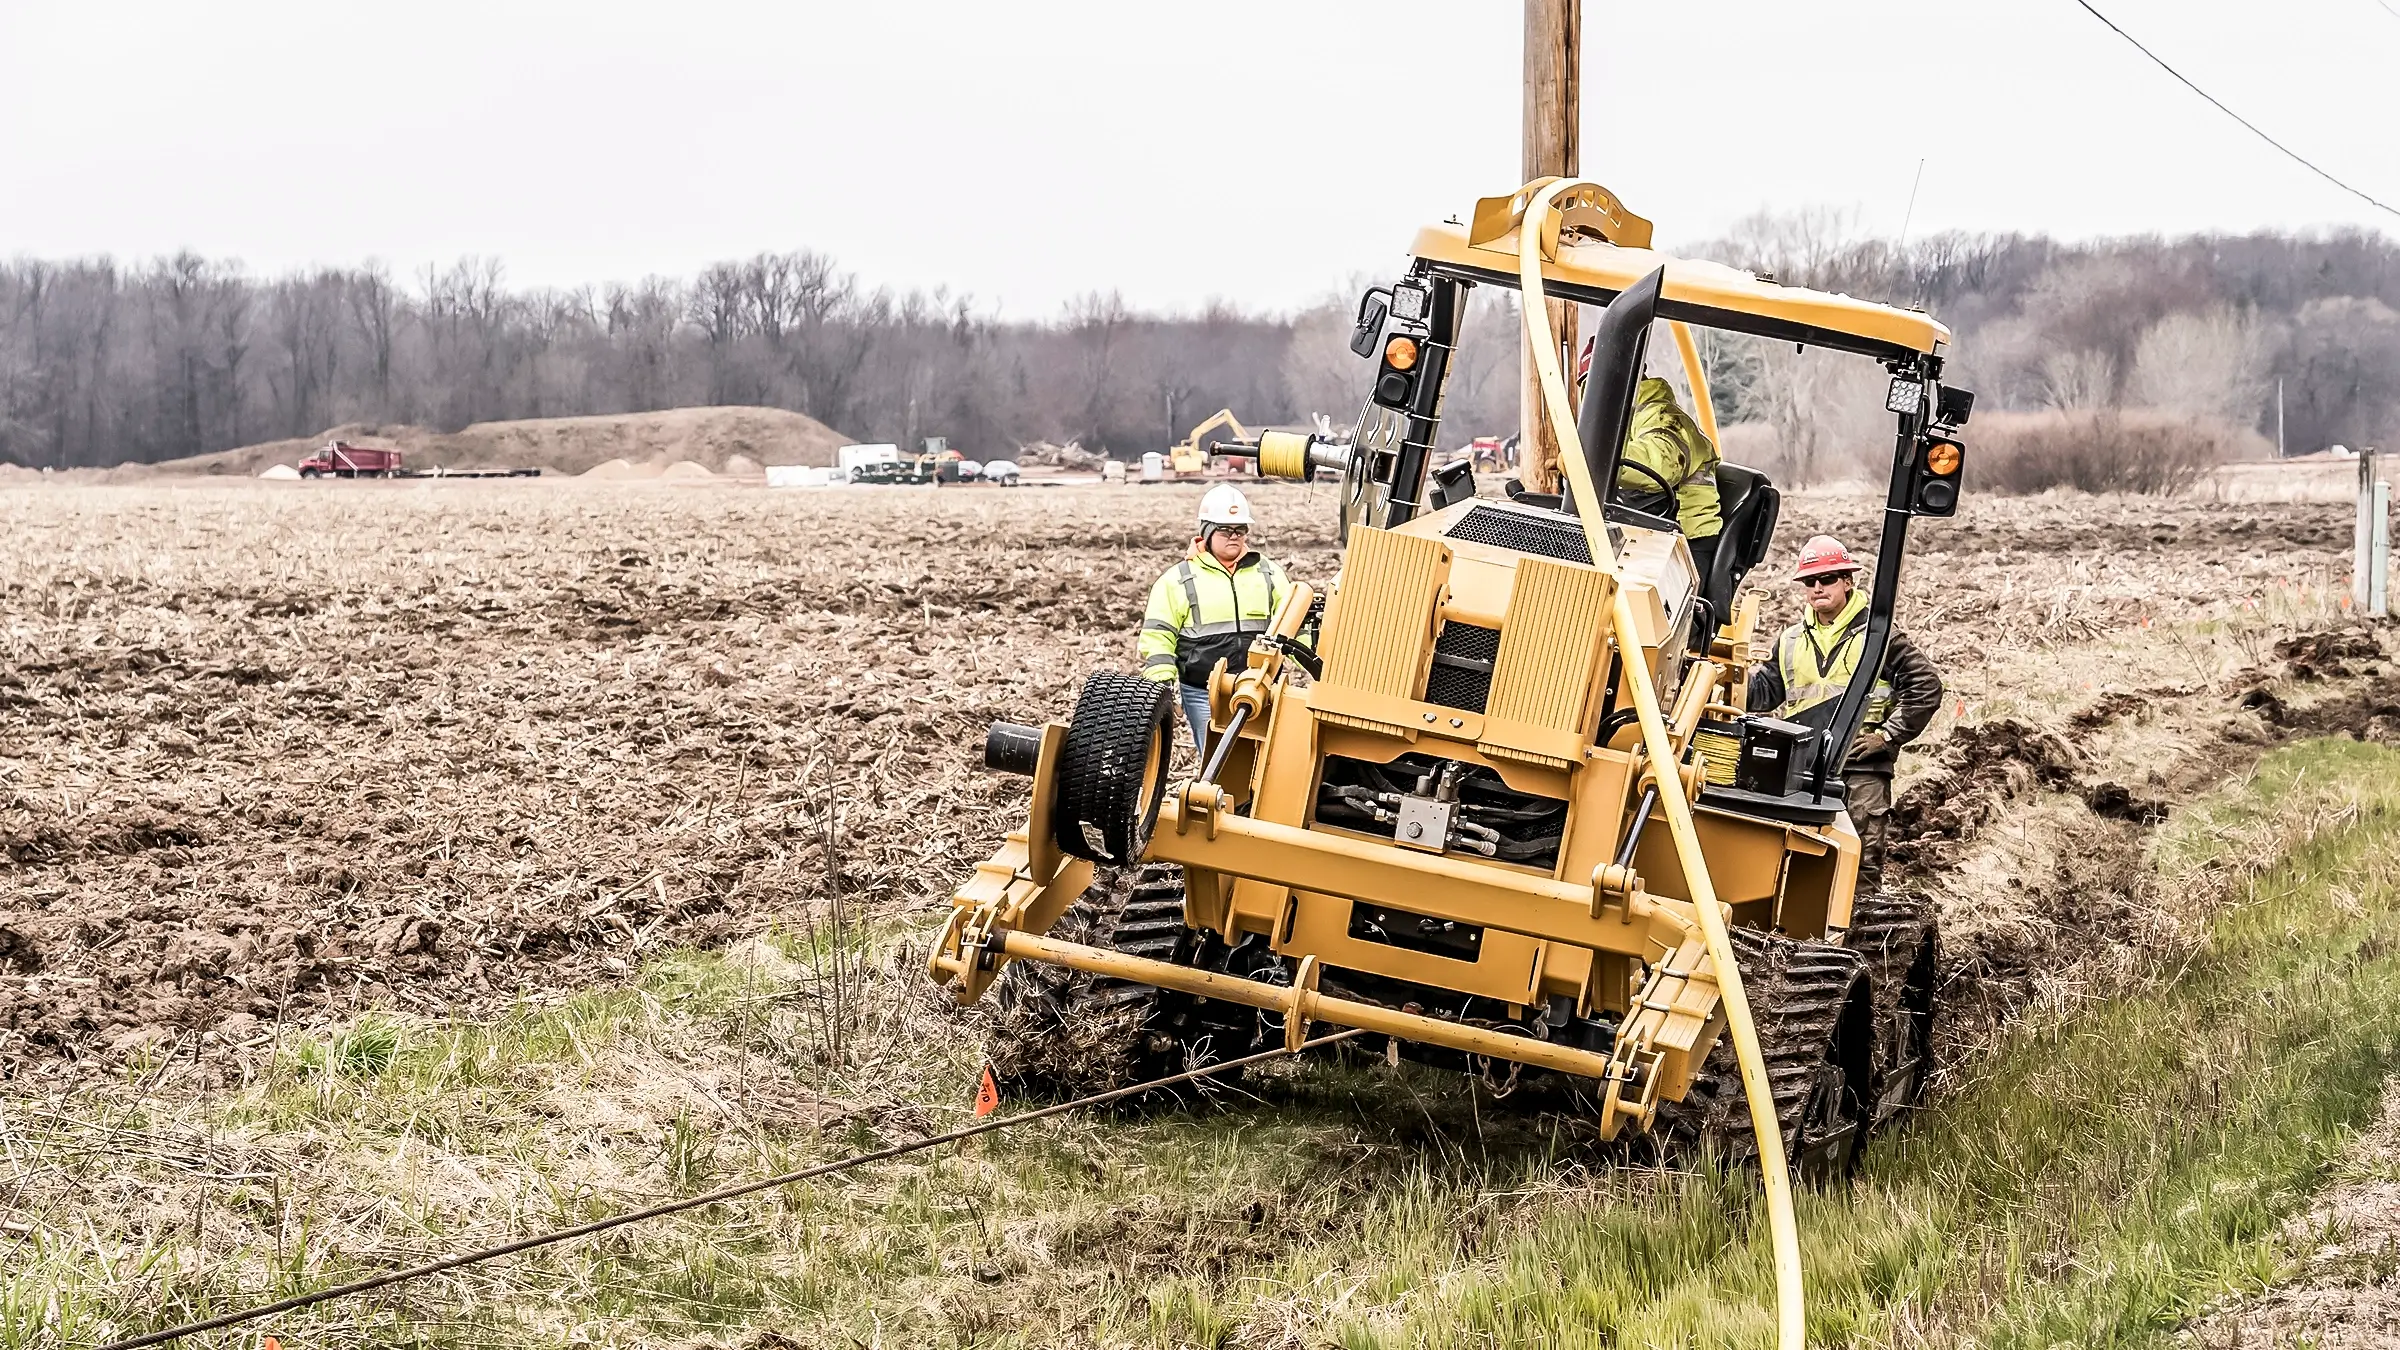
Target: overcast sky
<point>1025,152</point>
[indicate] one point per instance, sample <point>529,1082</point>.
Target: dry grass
<point>612,817</point>
<point>2128,450</point>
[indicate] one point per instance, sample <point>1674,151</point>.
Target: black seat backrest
<point>1750,505</point>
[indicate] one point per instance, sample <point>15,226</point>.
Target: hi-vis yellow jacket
<point>1666,454</point>
<point>1813,665</point>
<point>1202,612</point>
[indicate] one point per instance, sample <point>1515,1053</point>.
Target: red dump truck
<point>340,459</point>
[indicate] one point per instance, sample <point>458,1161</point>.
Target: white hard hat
<point>1225,505</point>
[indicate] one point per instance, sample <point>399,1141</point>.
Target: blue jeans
<point>1195,715</point>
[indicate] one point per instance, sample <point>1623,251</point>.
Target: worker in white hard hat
<point>1814,662</point>
<point>1210,606</point>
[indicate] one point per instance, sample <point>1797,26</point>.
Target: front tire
<point>1112,769</point>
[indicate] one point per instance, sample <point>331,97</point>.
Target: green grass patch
<point>2100,1181</point>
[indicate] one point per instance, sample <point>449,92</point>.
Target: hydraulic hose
<point>1791,1319</point>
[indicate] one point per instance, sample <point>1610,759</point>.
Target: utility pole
<point>1553,97</point>
<point>2280,452</point>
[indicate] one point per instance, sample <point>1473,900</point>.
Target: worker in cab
<point>1812,666</point>
<point>1669,468</point>
<point>1210,606</point>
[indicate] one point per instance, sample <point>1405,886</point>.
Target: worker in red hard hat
<point>1813,663</point>
<point>1210,606</point>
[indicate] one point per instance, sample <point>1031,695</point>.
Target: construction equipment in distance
<point>340,459</point>
<point>1485,826</point>
<point>1197,455</point>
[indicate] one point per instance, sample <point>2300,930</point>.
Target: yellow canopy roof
<point>1709,294</point>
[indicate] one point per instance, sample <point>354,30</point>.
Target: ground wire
<point>374,1282</point>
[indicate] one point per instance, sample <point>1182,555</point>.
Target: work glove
<point>1869,745</point>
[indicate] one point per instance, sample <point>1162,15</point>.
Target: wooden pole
<point>1553,89</point>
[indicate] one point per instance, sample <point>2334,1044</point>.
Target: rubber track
<point>1797,992</point>
<point>1063,1032</point>
<point>1894,933</point>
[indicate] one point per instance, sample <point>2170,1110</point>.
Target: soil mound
<point>705,437</point>
<point>711,438</point>
<point>686,469</point>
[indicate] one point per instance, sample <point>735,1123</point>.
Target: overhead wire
<point>482,1254</point>
<point>2294,155</point>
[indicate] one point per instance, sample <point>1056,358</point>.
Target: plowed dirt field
<point>275,753</point>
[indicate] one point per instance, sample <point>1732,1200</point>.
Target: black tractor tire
<point>1900,937</point>
<point>1063,1033</point>
<point>1813,1004</point>
<point>1112,770</point>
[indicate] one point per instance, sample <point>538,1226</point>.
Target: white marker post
<point>2379,553</point>
<point>2363,576</point>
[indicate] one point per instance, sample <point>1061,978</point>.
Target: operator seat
<point>1750,505</point>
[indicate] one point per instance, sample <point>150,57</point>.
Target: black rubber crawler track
<point>1814,1012</point>
<point>1064,1033</point>
<point>1898,936</point>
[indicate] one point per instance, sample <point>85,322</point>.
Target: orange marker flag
<point>269,1343</point>
<point>987,1094</point>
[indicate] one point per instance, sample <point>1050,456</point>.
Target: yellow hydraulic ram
<point>1791,1321</point>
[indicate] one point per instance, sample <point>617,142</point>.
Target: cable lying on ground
<point>374,1282</point>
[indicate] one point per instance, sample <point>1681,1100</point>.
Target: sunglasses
<point>1812,583</point>
<point>1234,531</point>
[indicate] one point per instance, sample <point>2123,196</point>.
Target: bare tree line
<point>2203,328</point>
<point>102,362</point>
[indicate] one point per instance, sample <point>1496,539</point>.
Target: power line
<point>2387,8</point>
<point>2294,155</point>
<point>372,1282</point>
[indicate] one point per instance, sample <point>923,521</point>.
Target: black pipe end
<point>1010,747</point>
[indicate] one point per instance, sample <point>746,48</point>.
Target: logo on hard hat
<point>1225,506</point>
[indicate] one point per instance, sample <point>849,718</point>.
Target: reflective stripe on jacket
<point>1816,661</point>
<point>1680,461</point>
<point>1201,613</point>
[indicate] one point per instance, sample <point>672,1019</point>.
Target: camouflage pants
<point>1869,797</point>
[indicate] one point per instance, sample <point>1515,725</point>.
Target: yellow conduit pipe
<point>1702,405</point>
<point>1791,1316</point>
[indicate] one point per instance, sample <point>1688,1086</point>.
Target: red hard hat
<point>1823,556</point>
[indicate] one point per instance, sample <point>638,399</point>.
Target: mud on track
<point>279,753</point>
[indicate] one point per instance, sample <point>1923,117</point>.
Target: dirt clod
<point>2331,654</point>
<point>1980,767</point>
<point>2115,801</point>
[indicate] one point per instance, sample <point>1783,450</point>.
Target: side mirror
<point>1373,308</point>
<point>1954,407</point>
<point>1452,483</point>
